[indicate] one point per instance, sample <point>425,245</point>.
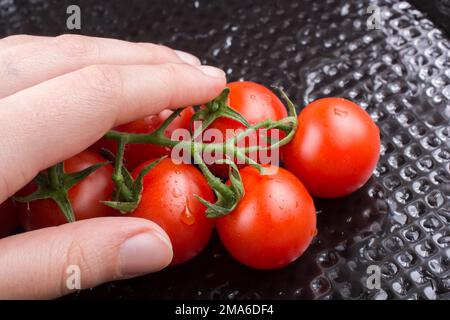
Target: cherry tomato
<point>335,149</point>
<point>255,103</point>
<point>168,199</point>
<point>273,224</point>
<point>9,220</point>
<point>135,154</point>
<point>85,196</point>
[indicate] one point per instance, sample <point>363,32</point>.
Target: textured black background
<point>400,74</point>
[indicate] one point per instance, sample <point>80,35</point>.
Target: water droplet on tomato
<point>252,97</point>
<point>340,112</point>
<point>186,215</point>
<point>267,98</point>
<point>176,192</point>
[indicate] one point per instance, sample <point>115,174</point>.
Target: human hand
<point>57,97</point>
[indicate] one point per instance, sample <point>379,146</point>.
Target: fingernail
<point>144,253</point>
<point>212,71</point>
<point>188,58</point>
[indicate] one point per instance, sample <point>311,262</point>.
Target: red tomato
<point>335,149</point>
<point>85,196</point>
<point>255,103</point>
<point>168,200</point>
<point>135,154</point>
<point>9,220</point>
<point>273,224</point>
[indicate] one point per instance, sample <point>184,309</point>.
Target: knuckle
<point>169,75</point>
<point>75,46</point>
<point>161,51</point>
<point>75,256</point>
<point>170,71</point>
<point>103,81</point>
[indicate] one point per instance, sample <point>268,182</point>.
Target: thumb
<point>51,262</point>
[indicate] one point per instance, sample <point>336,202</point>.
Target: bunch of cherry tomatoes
<point>333,153</point>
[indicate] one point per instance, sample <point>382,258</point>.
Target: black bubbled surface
<point>400,73</point>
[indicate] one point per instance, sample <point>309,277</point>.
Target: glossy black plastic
<point>400,73</point>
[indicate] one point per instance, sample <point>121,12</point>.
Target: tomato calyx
<point>54,183</point>
<point>127,194</point>
<point>215,109</point>
<point>228,196</point>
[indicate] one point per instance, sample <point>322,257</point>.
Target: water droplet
<point>328,259</point>
<point>340,112</point>
<point>176,192</point>
<point>186,215</point>
<point>253,97</point>
<point>320,285</point>
<point>267,98</point>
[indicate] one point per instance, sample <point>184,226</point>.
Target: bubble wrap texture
<point>399,221</point>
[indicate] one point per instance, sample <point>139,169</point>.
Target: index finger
<point>56,119</point>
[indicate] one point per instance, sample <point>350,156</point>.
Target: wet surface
<point>400,73</point>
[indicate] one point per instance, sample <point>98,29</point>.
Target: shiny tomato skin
<point>85,196</point>
<point>9,219</point>
<point>135,154</point>
<point>273,224</point>
<point>168,199</point>
<point>335,149</point>
<point>255,103</point>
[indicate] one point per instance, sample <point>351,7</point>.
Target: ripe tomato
<point>335,149</point>
<point>85,196</point>
<point>9,220</point>
<point>168,200</point>
<point>273,224</point>
<point>135,154</point>
<point>255,103</point>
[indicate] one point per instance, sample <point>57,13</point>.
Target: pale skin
<point>58,95</point>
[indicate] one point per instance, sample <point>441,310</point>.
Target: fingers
<point>54,120</point>
<point>88,253</point>
<point>41,58</point>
